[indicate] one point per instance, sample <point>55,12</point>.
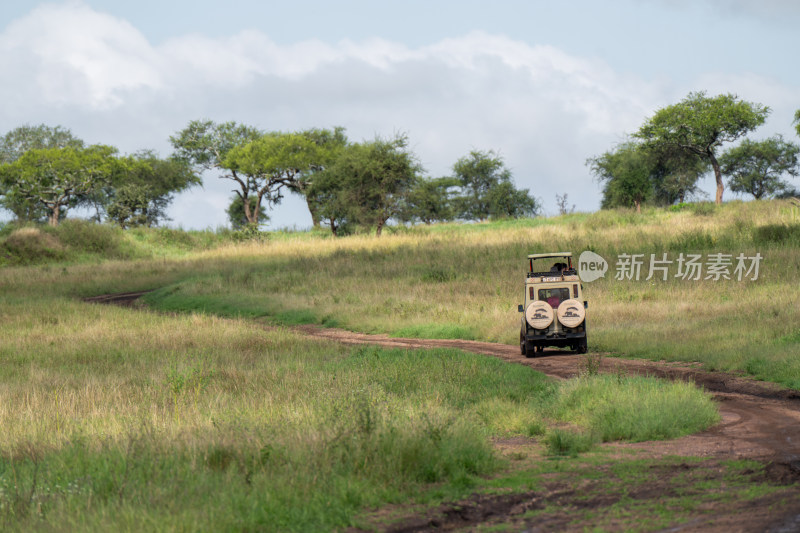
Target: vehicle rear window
<point>554,297</point>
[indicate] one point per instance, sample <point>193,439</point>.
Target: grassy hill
<point>464,281</point>
<point>209,419</point>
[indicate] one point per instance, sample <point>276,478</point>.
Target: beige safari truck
<point>554,312</point>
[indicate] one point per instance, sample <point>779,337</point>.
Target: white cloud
<point>544,109</point>
<point>74,55</point>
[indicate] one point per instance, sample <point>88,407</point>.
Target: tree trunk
<point>638,205</point>
<point>315,218</point>
<point>379,228</point>
<point>52,218</point>
<point>717,175</point>
<point>246,204</point>
<point>333,227</point>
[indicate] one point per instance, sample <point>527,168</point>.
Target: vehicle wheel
<point>522,348</point>
<point>582,347</point>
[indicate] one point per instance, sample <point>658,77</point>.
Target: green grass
<point>79,241</point>
<point>634,408</point>
<point>123,418</point>
<point>464,281</point>
<point>126,419</point>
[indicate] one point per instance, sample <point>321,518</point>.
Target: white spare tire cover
<point>571,313</point>
<point>539,314</point>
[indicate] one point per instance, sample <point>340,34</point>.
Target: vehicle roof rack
<point>550,255</point>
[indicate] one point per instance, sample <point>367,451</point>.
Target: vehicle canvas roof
<point>550,255</point>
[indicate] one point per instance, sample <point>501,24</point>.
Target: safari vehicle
<point>554,312</point>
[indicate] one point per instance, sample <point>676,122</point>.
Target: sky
<point>546,84</point>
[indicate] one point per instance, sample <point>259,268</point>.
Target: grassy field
<point>208,419</point>
<point>464,281</point>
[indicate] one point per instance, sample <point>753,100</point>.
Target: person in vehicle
<point>554,297</point>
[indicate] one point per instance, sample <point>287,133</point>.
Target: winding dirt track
<point>760,421</point>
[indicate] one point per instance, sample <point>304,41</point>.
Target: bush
<point>82,236</point>
<point>704,209</point>
<point>777,233</point>
<point>565,442</point>
<point>26,246</point>
<point>635,408</point>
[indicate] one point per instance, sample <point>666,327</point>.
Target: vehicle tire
<point>582,347</point>
<point>522,348</point>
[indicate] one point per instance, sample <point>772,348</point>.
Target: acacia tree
<point>700,125</point>
<point>57,178</point>
<point>487,189</point>
<point>20,140</point>
<point>236,216</point>
<point>142,188</point>
<point>206,144</point>
<point>756,167</point>
<point>328,146</point>
<point>271,162</point>
<point>675,175</point>
<point>430,200</point>
<point>368,182</point>
<point>626,174</point>
<point>477,173</point>
<point>327,194</point>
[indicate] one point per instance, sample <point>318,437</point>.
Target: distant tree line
<point>47,171</point>
<point>347,184</point>
<point>663,161</point>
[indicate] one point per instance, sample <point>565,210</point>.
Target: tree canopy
<point>329,145</point>
<point>271,162</point>
<point>487,189</point>
<point>700,124</point>
<point>57,178</point>
<point>206,144</point>
<point>757,167</point>
<point>626,174</point>
<point>13,145</point>
<point>367,184</point>
<point>24,138</point>
<point>430,200</point>
<point>143,185</point>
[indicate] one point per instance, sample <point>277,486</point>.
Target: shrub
<point>83,236</point>
<point>777,233</point>
<point>31,245</point>
<point>565,442</point>
<point>635,408</point>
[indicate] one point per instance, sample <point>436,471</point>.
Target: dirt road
<point>760,421</point>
